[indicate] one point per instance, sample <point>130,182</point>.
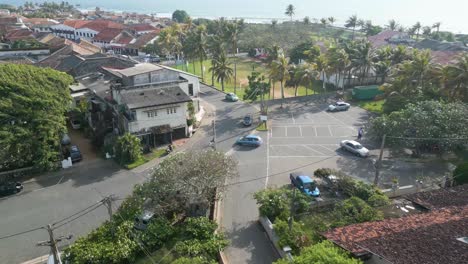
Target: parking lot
<point>304,137</point>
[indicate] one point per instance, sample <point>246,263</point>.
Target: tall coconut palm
<point>361,23</point>
<point>306,20</point>
<point>338,61</point>
<point>222,69</point>
<point>332,20</point>
<point>417,28</point>
<point>362,59</point>
<point>290,11</point>
<point>308,73</point>
<point>273,54</point>
<point>321,65</point>
<point>459,73</point>
<point>352,23</point>
<point>199,46</point>
<point>324,21</point>
<point>216,48</point>
<point>281,72</point>
<point>426,31</point>
<point>437,26</point>
<point>392,25</point>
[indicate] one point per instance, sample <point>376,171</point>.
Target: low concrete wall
<point>268,226</point>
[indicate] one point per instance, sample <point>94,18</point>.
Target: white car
<point>354,147</point>
<point>339,106</point>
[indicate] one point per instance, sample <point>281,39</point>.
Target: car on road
<point>249,140</point>
<point>75,123</point>
<point>304,183</point>
<point>75,154</point>
<point>8,188</point>
<point>247,121</point>
<point>354,147</point>
<point>231,97</point>
<point>338,106</point>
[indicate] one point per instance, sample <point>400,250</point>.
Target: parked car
<point>142,221</point>
<point>75,154</point>
<point>247,121</point>
<point>354,147</point>
<point>9,188</point>
<point>338,106</point>
<point>250,140</point>
<point>305,184</point>
<point>65,139</point>
<point>75,123</point>
<point>231,97</point>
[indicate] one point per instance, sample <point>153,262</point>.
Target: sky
<point>452,13</point>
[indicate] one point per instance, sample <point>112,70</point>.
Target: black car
<point>247,121</point>
<point>75,154</point>
<point>10,188</point>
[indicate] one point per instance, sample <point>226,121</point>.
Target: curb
<point>38,260</point>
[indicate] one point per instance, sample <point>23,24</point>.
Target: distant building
<point>83,29</point>
<point>40,25</point>
<point>390,38</point>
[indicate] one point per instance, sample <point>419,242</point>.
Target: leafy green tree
<point>276,203</point>
<point>180,16</point>
<point>298,53</point>
<point>290,11</point>
<point>307,74</point>
<point>392,25</point>
<point>157,233</point>
<point>128,149</point>
<point>324,252</point>
<point>222,70</point>
<point>257,87</point>
<point>332,20</point>
<point>460,174</point>
<point>306,20</point>
<point>355,210</point>
<point>195,260</point>
<point>297,237</point>
<point>280,72</point>
<point>32,115</point>
<point>352,23</point>
<point>417,27</point>
<point>424,125</point>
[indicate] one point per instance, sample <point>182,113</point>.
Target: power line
<point>68,217</point>
<point>426,138</point>
<point>24,232</point>
<point>79,216</point>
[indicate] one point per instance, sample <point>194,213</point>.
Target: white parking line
<point>329,130</point>
<point>267,163</point>
<point>286,131</point>
<point>276,157</point>
<point>310,147</point>
<point>292,116</point>
<point>315,129</point>
<point>300,130</point>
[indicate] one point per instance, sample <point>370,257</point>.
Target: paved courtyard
<point>304,137</point>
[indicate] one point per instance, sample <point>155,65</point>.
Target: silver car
<point>354,147</point>
<point>338,106</point>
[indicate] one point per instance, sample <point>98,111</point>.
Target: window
<point>153,113</point>
<point>171,110</point>
<point>190,89</point>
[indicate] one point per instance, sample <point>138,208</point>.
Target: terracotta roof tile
<point>142,40</point>
<point>420,238</point>
<point>141,27</point>
<point>107,34</point>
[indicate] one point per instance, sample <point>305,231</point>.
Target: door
<point>190,89</point>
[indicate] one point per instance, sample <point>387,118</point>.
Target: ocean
<point>452,13</point>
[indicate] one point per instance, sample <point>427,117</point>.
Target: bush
<point>460,174</point>
<point>355,210</point>
<point>158,232</point>
<point>296,238</point>
<point>352,187</point>
<point>128,149</point>
<point>276,203</point>
<point>323,172</point>
<point>377,200</point>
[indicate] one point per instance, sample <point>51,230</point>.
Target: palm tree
<point>361,23</point>
<point>200,46</point>
<point>352,23</point>
<point>338,61</point>
<point>222,69</point>
<point>332,20</point>
<point>294,77</point>
<point>274,22</point>
<point>321,65</point>
<point>281,72</point>
<point>324,21</point>
<point>459,76</point>
<point>417,28</point>
<point>273,54</point>
<point>436,25</point>
<point>216,48</point>
<point>392,25</point>
<point>306,20</point>
<point>308,74</point>
<point>362,59</point>
<point>290,11</point>
<point>427,31</point>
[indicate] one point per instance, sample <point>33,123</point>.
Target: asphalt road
<point>248,243</point>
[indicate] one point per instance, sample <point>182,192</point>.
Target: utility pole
<point>235,76</point>
<point>378,164</point>
<point>213,123</point>
<point>107,201</point>
<point>52,243</point>
<point>293,208</point>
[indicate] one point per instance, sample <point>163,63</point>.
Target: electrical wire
<point>68,217</point>
<point>79,216</point>
<point>426,138</point>
<point>22,233</point>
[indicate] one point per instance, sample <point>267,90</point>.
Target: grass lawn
<point>372,106</point>
<point>156,153</point>
<point>244,67</point>
<point>262,127</point>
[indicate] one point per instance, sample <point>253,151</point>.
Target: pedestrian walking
<point>359,134</point>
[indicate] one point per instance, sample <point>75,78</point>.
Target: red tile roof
<point>382,38</point>
<point>107,34</point>
<point>124,38</point>
<point>96,25</point>
<point>143,40</point>
<point>141,27</point>
<point>445,57</point>
<point>19,34</point>
<point>420,238</point>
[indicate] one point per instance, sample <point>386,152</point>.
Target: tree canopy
<point>180,16</point>
<point>32,114</point>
